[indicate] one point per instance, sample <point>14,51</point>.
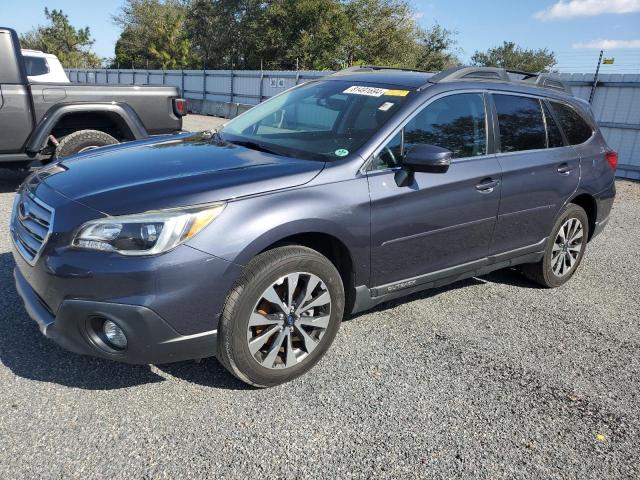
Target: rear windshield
<point>322,120</point>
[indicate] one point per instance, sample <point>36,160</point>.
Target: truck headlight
<point>146,233</point>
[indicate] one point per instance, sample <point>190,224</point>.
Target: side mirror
<point>427,158</point>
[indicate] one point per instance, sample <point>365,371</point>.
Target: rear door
<point>581,134</point>
<point>539,172</point>
<point>440,221</point>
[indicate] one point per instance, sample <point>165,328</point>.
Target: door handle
<point>564,169</point>
<point>487,185</point>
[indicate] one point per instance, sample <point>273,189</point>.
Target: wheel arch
<point>328,242</point>
<point>330,247</point>
<point>588,203</point>
<point>122,116</point>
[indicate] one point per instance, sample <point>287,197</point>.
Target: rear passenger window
<point>554,137</point>
<point>520,122</point>
<point>455,122</point>
<point>575,127</point>
<point>35,66</point>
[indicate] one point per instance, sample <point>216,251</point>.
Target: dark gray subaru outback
<point>252,242</point>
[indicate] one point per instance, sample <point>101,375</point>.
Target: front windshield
<point>321,120</point>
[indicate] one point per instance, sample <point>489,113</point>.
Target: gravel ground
<point>195,123</point>
<point>488,378</point>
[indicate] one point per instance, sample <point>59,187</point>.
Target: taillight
<point>180,106</point>
<point>612,159</point>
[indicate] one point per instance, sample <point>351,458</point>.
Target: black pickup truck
<point>42,121</point>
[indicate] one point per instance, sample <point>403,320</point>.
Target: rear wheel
<point>83,140</point>
<point>281,317</point>
<point>564,251</point>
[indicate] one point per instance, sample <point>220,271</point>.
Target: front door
<point>440,220</point>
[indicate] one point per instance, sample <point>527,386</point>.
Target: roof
<point>415,78</point>
<point>400,78</point>
<point>36,53</point>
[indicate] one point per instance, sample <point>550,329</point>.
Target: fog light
<point>114,335</point>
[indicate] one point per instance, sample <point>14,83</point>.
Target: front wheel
<point>564,251</point>
<point>281,316</point>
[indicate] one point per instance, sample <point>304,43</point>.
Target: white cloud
<point>583,8</point>
<point>608,44</point>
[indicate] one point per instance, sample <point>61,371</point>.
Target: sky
<point>574,29</point>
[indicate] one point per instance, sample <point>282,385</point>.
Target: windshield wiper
<point>254,146</point>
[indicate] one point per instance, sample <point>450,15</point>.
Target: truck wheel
<point>82,141</point>
<point>564,251</point>
<point>281,316</point>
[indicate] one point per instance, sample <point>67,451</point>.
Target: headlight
<point>146,233</point>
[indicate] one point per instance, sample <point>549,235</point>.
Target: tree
<point>60,38</point>
<point>511,56</point>
<point>307,34</point>
<point>224,32</point>
<point>382,32</point>
<point>278,34</point>
<point>437,49</point>
<point>153,34</point>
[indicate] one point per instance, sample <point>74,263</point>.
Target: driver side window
<point>455,122</point>
<point>391,155</point>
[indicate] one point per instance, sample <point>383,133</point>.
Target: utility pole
<point>595,77</point>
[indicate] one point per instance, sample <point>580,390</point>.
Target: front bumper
<point>168,305</point>
<point>150,338</point>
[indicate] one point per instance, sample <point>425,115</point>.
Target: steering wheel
<point>392,156</point>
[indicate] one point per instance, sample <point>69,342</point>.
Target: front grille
<point>31,224</point>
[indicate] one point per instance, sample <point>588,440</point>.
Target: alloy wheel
<point>289,320</point>
<point>567,247</point>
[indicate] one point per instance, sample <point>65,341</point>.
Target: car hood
<point>174,171</point>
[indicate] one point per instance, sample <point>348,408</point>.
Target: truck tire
<point>83,140</point>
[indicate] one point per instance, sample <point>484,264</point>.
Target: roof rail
<point>470,73</point>
<point>374,68</point>
<point>543,80</point>
<point>552,82</point>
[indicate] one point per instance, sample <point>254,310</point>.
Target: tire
<point>548,272</point>
<point>82,140</point>
<point>295,354</point>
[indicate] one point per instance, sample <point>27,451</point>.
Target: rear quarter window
<point>576,128</point>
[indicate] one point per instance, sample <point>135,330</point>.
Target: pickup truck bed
<point>35,116</point>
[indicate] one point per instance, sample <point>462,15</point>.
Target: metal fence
<point>616,106</point>
<point>248,87</point>
<point>616,100</point>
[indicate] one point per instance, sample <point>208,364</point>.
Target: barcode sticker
<point>368,91</point>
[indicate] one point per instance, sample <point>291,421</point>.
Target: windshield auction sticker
<point>375,91</point>
<point>368,91</point>
<point>397,93</point>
